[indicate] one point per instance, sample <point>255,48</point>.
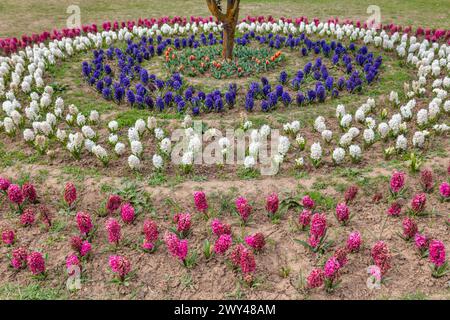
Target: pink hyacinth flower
<point>315,278</point>
<point>418,202</point>
<point>444,190</point>
<point>243,208</point>
<point>304,218</point>
<point>437,252</point>
<point>318,225</point>
<point>222,244</point>
<point>331,268</point>
<point>183,221</point>
<point>127,213</point>
<point>307,202</point>
<point>256,241</point>
<point>19,258</point>
<point>409,228</point>
<point>397,181</point>
<point>421,241</point>
<point>120,265</point>
<point>219,228</point>
<point>272,203</point>
<point>70,193</point>
<point>84,222</point>
<point>113,228</point>
<point>36,263</point>
<point>354,241</point>
<point>8,237</point>
<point>29,192</point>
<point>113,203</point>
<point>15,194</point>
<point>86,247</point>
<point>200,201</point>
<point>342,213</point>
<point>27,217</point>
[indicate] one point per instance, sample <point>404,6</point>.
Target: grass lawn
<point>18,16</point>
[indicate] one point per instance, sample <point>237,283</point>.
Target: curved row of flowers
<point>11,45</point>
<point>31,106</point>
<point>223,243</point>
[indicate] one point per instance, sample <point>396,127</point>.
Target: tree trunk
<point>229,21</point>
<point>228,41</point>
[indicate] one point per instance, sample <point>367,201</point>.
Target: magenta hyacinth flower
<point>243,208</point>
<point>15,194</point>
<point>318,225</point>
<point>36,263</point>
<point>84,222</point>
<point>437,252</point>
<point>222,244</point>
<point>354,241</point>
<point>177,248</point>
<point>27,217</point>
<point>304,218</point>
<point>127,213</point>
<point>272,203</point>
<point>409,228</point>
<point>86,247</point>
<point>219,228</point>
<point>113,228</point>
<point>418,202</point>
<point>247,262</point>
<point>29,192</point>
<point>307,202</point>
<point>444,190</point>
<point>331,268</point>
<point>183,221</point>
<point>113,203</point>
<point>19,258</point>
<point>200,201</point>
<point>395,209</point>
<point>257,241</point>
<point>120,265</point>
<point>72,260</point>
<point>8,237</point>
<point>4,184</point>
<point>70,193</point>
<point>315,278</point>
<point>342,213</point>
<point>397,181</point>
<point>421,241</point>
<point>150,231</point>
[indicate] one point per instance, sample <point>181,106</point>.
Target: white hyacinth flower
<point>249,162</point>
<point>133,162</point>
<point>157,161</point>
<point>119,148</point>
<point>136,148</point>
<point>338,155</point>
<point>401,143</point>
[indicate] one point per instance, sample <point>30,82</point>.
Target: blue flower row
<point>143,90</point>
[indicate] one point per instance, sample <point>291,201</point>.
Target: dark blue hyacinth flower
<point>283,77</point>
<point>160,103</point>
<point>106,93</point>
<point>265,106</point>
<point>286,98</point>
<point>131,97</point>
<point>300,99</point>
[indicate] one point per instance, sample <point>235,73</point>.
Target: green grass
<point>11,291</point>
<point>47,14</point>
